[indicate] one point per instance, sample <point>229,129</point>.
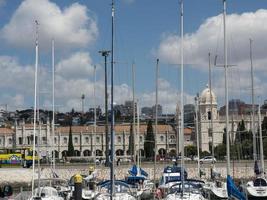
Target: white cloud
<point>167,97</point>
<point>71,27</point>
<point>209,38</point>
<point>78,65</point>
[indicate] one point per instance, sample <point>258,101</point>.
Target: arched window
<point>141,139</point>
<point>87,140</point>
<point>75,140</point>
<point>65,140</point>
<point>55,140</point>
<point>162,138</point>
<point>97,139</point>
<point>119,139</point>
<point>10,140</point>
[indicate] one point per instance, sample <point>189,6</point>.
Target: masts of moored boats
<point>226,89</point>
<point>211,110</point>
<point>182,91</point>
<point>197,134</point>
<point>95,113</point>
<point>53,105</point>
<point>134,126</point>
<point>261,142</point>
<point>252,101</point>
<point>112,173</point>
<point>138,135</point>
<point>156,121</point>
<point>35,104</point>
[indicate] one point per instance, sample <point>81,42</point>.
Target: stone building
<point>86,142</point>
<point>208,109</point>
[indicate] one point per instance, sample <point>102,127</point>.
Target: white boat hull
<point>186,196</point>
<point>89,194</point>
<point>217,191</point>
<point>256,191</point>
<point>117,196</point>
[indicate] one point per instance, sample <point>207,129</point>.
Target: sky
<point>145,30</point>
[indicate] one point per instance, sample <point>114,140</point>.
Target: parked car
<point>207,159</point>
<point>185,158</point>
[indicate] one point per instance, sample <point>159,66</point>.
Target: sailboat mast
<point>197,134</point>
<point>138,133</point>
<point>226,89</point>
<point>53,104</point>
<point>252,101</point>
<point>95,113</point>
<point>35,104</point>
<point>261,142</point>
<point>134,128</point>
<point>112,174</point>
<point>156,120</point>
<point>182,91</point>
<point>211,111</point>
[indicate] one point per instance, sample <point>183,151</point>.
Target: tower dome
<point>205,97</point>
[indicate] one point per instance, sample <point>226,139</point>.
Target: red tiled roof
<point>6,131</point>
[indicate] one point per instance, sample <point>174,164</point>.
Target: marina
<point>202,145</point>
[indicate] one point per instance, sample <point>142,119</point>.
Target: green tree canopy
<point>131,141</point>
<point>149,143</point>
<point>190,151</point>
<point>70,142</point>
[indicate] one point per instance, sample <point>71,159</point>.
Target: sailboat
<point>184,190</point>
<point>138,178</point>
<point>232,190</point>
<point>216,187</point>
<point>113,189</point>
<point>46,189</point>
<point>256,188</point>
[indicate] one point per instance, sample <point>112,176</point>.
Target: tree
<point>70,142</point>
<point>224,136</point>
<point>190,151</point>
<point>149,144</point>
<point>131,141</point>
<point>220,151</point>
<point>264,126</point>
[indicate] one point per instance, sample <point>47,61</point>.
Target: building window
<point>44,140</point>
<point>65,140</point>
<point>10,141</point>
<point>20,140</point>
<point>29,139</point>
<point>210,132</point>
<point>161,138</point>
<point>55,140</point>
<point>172,137</point>
<point>0,141</point>
<point>141,139</point>
<point>97,139</point>
<point>119,139</point>
<point>75,140</point>
<point>87,140</point>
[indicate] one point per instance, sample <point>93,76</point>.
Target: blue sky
<point>145,30</point>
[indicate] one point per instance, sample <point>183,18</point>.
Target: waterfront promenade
<point>22,176</point>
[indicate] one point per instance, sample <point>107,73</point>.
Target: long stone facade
<point>86,142</point>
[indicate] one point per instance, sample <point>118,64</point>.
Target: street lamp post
<point>105,53</point>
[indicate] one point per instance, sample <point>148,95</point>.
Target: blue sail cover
<point>232,189</point>
<point>134,171</point>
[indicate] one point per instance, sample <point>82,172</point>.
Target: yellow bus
<point>17,157</point>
